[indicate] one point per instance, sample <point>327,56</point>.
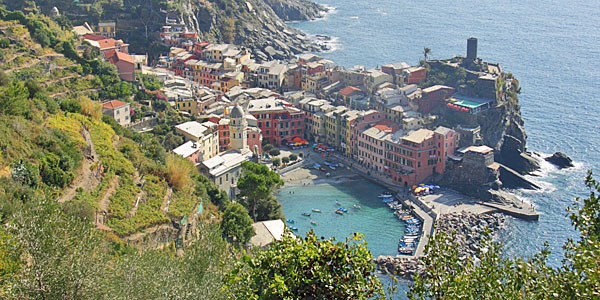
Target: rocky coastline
<point>466,229</point>
<point>297,10</point>
<point>259,25</point>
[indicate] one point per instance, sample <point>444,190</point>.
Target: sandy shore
<point>305,176</point>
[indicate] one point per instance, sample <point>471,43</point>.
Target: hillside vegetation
<point>92,210</point>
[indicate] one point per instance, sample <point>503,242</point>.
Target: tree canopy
<point>308,268</point>
<point>256,191</point>
<point>237,224</point>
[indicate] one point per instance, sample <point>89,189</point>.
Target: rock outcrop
<point>560,160</point>
<point>254,24</point>
<point>501,126</point>
<point>296,10</point>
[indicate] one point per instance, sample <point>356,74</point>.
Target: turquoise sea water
<point>375,220</point>
<point>552,47</point>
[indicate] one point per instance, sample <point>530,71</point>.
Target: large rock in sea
<point>560,160</point>
<point>513,156</point>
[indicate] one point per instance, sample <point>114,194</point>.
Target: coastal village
<point>383,123</point>
<point>214,150</point>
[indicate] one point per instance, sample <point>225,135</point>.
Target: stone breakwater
<point>468,229</point>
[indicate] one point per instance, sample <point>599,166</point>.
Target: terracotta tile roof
<point>113,104</point>
<point>115,56</point>
<point>383,127</point>
<point>93,37</point>
<point>349,90</point>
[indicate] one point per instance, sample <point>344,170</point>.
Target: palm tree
<point>426,52</point>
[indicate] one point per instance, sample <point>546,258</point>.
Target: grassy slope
<point>60,79</point>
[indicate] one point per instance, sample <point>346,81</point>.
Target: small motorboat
<point>338,202</point>
<point>387,200</point>
<point>306,214</point>
<point>386,195</point>
<point>316,210</point>
<point>294,228</point>
<point>339,212</point>
<point>342,209</point>
<point>291,221</point>
<point>313,222</point>
<point>357,206</point>
<point>332,168</point>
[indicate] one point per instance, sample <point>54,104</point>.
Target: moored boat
<point>339,212</point>
<point>316,210</point>
<point>313,222</point>
<point>291,221</point>
<point>306,214</point>
<point>357,206</point>
<point>294,228</point>
<point>342,209</point>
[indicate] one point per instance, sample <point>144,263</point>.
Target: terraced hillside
<point>56,134</point>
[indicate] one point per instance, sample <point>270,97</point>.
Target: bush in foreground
<point>308,268</point>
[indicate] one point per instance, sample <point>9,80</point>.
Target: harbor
<point>334,198</point>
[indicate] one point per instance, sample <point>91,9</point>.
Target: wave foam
<point>332,43</point>
<point>325,14</point>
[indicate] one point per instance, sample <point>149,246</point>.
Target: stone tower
<point>238,127</point>
<point>471,49</point>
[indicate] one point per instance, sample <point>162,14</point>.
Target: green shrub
<point>293,157</point>
<point>274,152</point>
<point>276,161</point>
<point>70,106</point>
<point>4,43</point>
<point>52,173</point>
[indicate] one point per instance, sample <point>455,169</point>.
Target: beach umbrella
<point>437,186</point>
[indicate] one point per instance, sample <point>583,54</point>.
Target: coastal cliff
<point>258,25</point>
<point>255,24</point>
<point>500,126</point>
<point>296,10</point>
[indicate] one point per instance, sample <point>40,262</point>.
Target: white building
<point>205,135</point>
<point>225,169</point>
<point>118,110</point>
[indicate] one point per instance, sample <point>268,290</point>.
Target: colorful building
<point>433,97</point>
<point>107,29</point>
<point>124,63</point>
<point>415,75</point>
<point>278,120</point>
<point>412,158</point>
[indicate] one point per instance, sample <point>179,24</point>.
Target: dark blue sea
<point>551,46</point>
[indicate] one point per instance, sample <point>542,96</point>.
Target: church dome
<point>237,112</point>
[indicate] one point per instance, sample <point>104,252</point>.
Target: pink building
<point>190,151</point>
<point>254,139</point>
<point>124,63</point>
<point>433,97</point>
<point>371,147</point>
<point>254,135</point>
<point>418,155</point>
